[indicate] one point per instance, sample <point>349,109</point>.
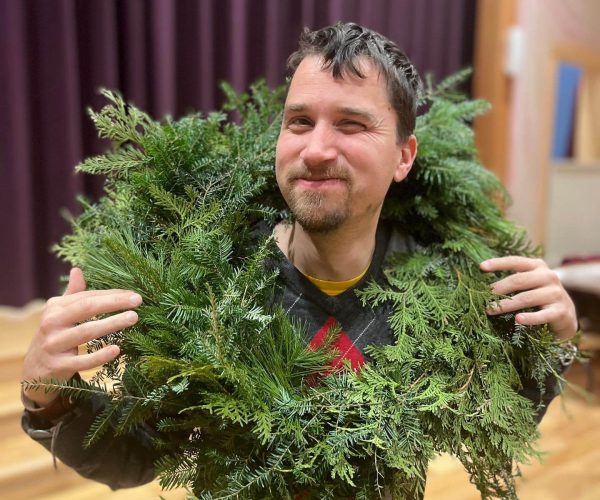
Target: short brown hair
<point>342,44</point>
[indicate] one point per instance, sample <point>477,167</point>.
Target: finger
<point>90,306</point>
<point>541,317</point>
<point>65,300</point>
<point>91,330</point>
<point>513,263</point>
<point>520,282</point>
<point>94,359</point>
<point>76,281</point>
<point>523,300</point>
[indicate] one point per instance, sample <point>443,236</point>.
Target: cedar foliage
<point>220,374</point>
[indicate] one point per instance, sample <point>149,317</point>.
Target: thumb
<point>76,281</point>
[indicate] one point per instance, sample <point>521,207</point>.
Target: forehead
<point>311,82</point>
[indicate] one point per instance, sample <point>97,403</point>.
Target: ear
<point>407,153</point>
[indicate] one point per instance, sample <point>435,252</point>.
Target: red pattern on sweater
<point>343,344</point>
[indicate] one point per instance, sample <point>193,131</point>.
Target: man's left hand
<point>534,285</point>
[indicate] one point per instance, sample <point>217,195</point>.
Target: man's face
<point>337,151</point>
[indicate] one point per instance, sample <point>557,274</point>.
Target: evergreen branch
<point>212,360</point>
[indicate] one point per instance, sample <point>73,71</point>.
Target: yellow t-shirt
<point>333,288</point>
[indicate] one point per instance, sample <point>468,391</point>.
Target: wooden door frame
<point>490,82</point>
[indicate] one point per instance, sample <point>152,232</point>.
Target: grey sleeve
<point>117,461</point>
<point>542,399</point>
<point>553,383</point>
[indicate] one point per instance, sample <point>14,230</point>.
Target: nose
<point>320,147</point>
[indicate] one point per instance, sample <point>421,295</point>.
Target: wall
<point>545,24</point>
<point>573,225</point>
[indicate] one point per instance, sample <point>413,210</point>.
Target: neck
<point>338,255</point>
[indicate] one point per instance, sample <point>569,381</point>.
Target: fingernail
<point>135,299</point>
<point>131,317</point>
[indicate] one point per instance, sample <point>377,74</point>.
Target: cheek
<point>280,169</point>
<point>287,153</point>
<point>289,146</point>
<point>278,173</point>
<point>372,182</point>
<point>283,141</point>
<point>279,149</point>
<point>372,191</point>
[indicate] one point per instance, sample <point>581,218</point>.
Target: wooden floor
<point>570,438</point>
<point>571,468</point>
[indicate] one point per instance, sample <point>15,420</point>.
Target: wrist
<point>47,406</point>
<point>36,399</point>
<point>54,410</point>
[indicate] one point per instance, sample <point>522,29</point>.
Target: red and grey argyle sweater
<point>360,325</point>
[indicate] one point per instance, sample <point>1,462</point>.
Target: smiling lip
<point>325,183</point>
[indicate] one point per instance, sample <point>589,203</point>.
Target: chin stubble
<point>310,212</point>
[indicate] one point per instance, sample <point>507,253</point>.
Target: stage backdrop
<point>167,57</point>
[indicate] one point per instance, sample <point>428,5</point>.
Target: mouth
<point>319,182</point>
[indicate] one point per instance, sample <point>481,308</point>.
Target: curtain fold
<point>167,57</point>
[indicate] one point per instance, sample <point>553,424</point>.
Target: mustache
<point>328,173</point>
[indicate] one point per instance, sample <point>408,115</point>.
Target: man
<point>346,137</point>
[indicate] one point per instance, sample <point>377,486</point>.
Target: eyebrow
<point>345,110</point>
<point>362,113</point>
<point>295,107</point>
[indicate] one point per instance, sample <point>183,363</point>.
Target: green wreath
<point>221,375</point>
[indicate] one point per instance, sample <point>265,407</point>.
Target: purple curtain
<point>167,57</point>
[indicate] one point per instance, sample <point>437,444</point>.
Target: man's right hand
<point>67,322</point>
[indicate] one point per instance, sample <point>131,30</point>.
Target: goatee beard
<point>309,211</point>
<point>316,211</point>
